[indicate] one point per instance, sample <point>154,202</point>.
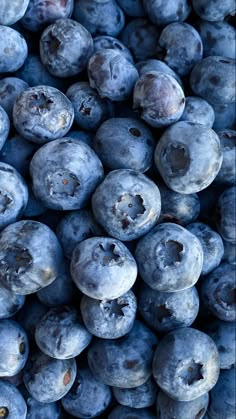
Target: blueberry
<point>30,314</point>
<point>99,17</point>
<point>12,11</point>
<point>212,245</point>
<point>218,292</point>
<point>168,408</point>
<point>124,143</point>
<point>223,334</point>
<point>42,114</point>
<point>37,410</point>
<point>13,49</point>
<point>10,88</point>
<point>18,152</point>
<point>225,116</point>
<point>137,397</point>
<point>90,109</point>
<point>141,37</point>
<point>150,65</point>
<point>48,379</point>
<point>10,303</point>
<point>103,268</point>
<point>169,258</point>
<point>218,38</point>
<point>30,256</point>
<point>127,204</point>
<point>34,73</point>
<point>65,173</point>
<point>229,252</point>
<point>4,126</point>
<point>177,207</point>
<point>213,79</point>
<point>60,333</point>
<point>14,348</point>
<point>12,404</point>
<point>84,136</point>
<point>109,319</point>
<point>121,362</point>
<point>226,222</point>
<point>39,13</point>
<point>61,291</point>
<point>166,311</point>
<point>34,207</point>
<point>214,10</point>
<point>75,227</point>
<point>222,396</point>
<point>199,111</point>
<point>108,42</point>
<point>227,173</point>
<point>180,47</point>
<point>13,195</point>
<point>186,364</point>
<point>111,74</point>
<point>88,397</point>
<point>188,166</point>
<point>163,12</point>
<point>65,48</point>
<point>132,8</point>
<point>159,99</point>
<point>125,412</point>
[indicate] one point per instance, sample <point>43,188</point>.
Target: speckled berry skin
<point>11,401</point>
<point>13,195</point>
<point>45,410</point>
<point>109,319</point>
<point>159,99</point>
<point>125,412</point>
<point>222,396</point>
<point>40,14</point>
<point>65,173</point>
<point>163,13</point>
<point>60,333</point>
<point>90,109</point>
<point>48,379</point>
<point>212,245</point>
<point>88,397</point>
<point>42,114</point>
<point>166,311</point>
<point>132,8</point>
<point>186,364</point>
<point>150,65</point>
<point>177,207</point>
<point>100,17</point>
<point>199,111</point>
<point>109,42</point>
<point>180,47</point>
<point>141,37</point>
<point>10,88</point>
<point>111,74</point>
<point>121,362</point>
<point>137,397</point>
<point>10,303</point>
<point>213,10</point>
<point>103,268</point>
<point>227,173</point>
<point>127,204</point>
<point>213,79</point>
<point>14,348</point>
<point>225,116</point>
<point>12,11</point>
<point>217,292</point>
<point>177,157</point>
<point>226,222</point>
<point>30,314</point>
<point>30,256</point>
<point>167,408</point>
<point>4,126</point>
<point>169,258</point>
<point>13,49</point>
<point>223,334</point>
<point>218,38</point>
<point>125,143</point>
<point>18,152</point>
<point>65,48</point>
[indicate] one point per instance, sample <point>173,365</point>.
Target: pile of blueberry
<point>117,209</point>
